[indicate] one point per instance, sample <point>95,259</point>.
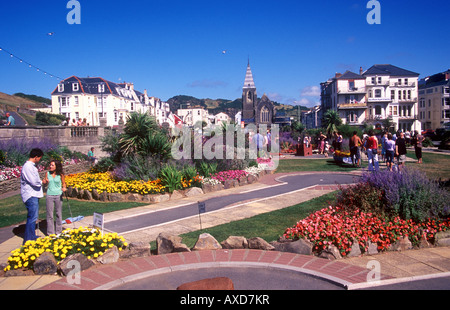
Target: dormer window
<point>60,87</point>
<point>75,86</point>
<point>101,88</point>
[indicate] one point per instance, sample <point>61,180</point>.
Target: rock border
<point>83,194</point>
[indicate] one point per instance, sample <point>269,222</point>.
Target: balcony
<point>397,84</point>
<point>408,100</point>
<point>353,90</point>
<point>355,105</point>
<point>380,99</point>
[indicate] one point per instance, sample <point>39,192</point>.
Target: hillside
<point>11,102</point>
<point>215,106</point>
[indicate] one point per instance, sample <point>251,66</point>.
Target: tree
<point>136,131</point>
<point>331,122</point>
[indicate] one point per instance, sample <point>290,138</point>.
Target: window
<point>101,88</point>
<point>392,94</point>
<point>379,80</point>
<point>60,88</point>
<point>409,94</point>
<point>264,115</point>
<point>351,85</point>
<point>373,80</point>
<point>377,93</point>
<point>377,110</point>
<point>76,100</point>
<point>75,86</point>
<point>399,81</point>
<point>63,101</point>
<point>395,111</point>
<point>406,81</point>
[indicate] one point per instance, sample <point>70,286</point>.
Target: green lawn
<point>13,210</point>
<point>304,164</point>
<point>268,226</point>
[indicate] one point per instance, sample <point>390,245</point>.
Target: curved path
<point>289,184</point>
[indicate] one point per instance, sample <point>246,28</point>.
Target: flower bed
<point>86,241</point>
<point>335,226</point>
<point>222,176</point>
<point>105,182</point>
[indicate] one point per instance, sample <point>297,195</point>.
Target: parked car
<point>430,133</point>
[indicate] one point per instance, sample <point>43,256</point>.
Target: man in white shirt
<point>31,191</point>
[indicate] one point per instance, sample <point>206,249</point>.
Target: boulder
<point>372,249</point>
<point>206,242</point>
<point>110,256</point>
<point>194,191</point>
<point>259,244</point>
<point>166,243</point>
<point>136,249</point>
<point>159,198</point>
<point>67,264</point>
<point>401,244</point>
<point>355,250</point>
<point>87,195</point>
<point>331,253</point>
<point>251,179</point>
<point>176,195</point>
<point>115,197</point>
<point>220,283</point>
<point>207,188</point>
<point>103,196</point>
<point>230,183</point>
<point>45,264</point>
<point>442,238</point>
<point>235,242</point>
<point>95,194</point>
<point>134,197</point>
<point>300,246</point>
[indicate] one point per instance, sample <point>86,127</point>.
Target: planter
<point>343,159</point>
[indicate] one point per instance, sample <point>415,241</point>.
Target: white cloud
<point>310,91</point>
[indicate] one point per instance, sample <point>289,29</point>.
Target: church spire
<point>249,83</point>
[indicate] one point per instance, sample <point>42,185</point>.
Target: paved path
<point>241,265</point>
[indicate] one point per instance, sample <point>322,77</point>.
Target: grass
<point>13,210</point>
<point>304,164</point>
<point>268,226</point>
<point>434,165</point>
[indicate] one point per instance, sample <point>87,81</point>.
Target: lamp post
<point>102,119</point>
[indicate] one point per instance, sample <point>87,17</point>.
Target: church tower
<point>249,97</point>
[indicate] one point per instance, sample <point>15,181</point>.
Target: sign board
<point>201,207</point>
<point>98,220</point>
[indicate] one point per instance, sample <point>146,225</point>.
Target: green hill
<point>215,106</point>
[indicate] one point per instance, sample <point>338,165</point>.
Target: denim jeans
<point>32,205</point>
<point>373,160</point>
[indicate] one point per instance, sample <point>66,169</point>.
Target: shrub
<point>409,194</point>
<point>171,178</point>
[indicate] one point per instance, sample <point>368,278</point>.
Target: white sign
<point>98,220</point>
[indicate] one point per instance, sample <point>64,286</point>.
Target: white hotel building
<point>379,93</point>
<point>104,103</point>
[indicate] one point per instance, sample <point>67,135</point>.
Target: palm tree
<point>331,121</point>
<point>136,131</point>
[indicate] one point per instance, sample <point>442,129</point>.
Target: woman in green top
<point>54,178</point>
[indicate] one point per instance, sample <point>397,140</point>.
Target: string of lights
<point>11,55</point>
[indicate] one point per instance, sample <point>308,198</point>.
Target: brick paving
<point>110,276</point>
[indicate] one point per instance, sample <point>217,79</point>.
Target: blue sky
<point>175,47</point>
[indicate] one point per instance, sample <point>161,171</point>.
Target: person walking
<point>55,180</point>
<point>321,142</point>
<point>31,191</point>
<point>10,120</point>
<point>355,153</point>
<point>258,139</point>
<point>390,149</point>
<point>400,150</point>
<point>384,138</point>
<point>417,141</point>
<point>372,151</point>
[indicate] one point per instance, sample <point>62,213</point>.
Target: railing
<point>83,131</point>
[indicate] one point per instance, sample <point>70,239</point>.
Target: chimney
<point>360,71</point>
<point>338,75</point>
<point>145,92</point>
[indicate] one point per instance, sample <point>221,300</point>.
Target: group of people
<point>75,123</point>
<point>392,146</point>
<point>31,190</point>
<point>323,145</point>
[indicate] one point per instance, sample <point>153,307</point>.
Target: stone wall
<point>13,185</point>
<point>79,139</point>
